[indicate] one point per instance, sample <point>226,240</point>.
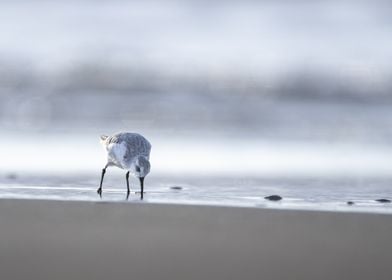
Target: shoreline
<point>99,240</point>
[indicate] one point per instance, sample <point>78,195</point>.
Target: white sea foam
<point>193,156</point>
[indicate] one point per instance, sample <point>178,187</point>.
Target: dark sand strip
<point>85,240</point>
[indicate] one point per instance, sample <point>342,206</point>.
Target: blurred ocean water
<point>311,69</point>
<point>308,49</point>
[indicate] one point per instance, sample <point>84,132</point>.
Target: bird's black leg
<point>99,191</point>
<point>141,187</point>
<point>127,177</point>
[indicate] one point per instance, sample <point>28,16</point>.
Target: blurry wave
<point>281,69</point>
<point>306,49</point>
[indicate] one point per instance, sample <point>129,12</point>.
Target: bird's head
<point>143,166</point>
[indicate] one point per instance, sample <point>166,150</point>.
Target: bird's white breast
<point>116,154</point>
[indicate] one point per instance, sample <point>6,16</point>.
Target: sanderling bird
<point>128,151</point>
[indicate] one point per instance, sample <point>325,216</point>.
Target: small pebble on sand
<point>383,200</point>
<point>273,197</point>
<point>350,203</point>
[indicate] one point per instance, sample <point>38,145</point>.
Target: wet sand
<point>89,240</point>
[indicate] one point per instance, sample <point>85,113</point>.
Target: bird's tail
<point>103,138</point>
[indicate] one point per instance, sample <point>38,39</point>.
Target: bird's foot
<point>141,194</point>
<point>99,191</point>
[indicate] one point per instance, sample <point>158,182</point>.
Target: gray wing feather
<point>136,144</point>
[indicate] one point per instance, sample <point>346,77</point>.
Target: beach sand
<point>89,240</point>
